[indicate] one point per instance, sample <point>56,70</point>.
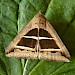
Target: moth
<point>38,40</point>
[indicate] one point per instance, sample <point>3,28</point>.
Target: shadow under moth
<point>38,40</point>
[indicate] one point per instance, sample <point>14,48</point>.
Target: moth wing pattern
<point>38,40</point>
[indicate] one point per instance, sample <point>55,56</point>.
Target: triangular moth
<point>38,40</point>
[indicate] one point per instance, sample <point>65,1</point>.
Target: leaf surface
<point>14,14</point>
<point>8,30</point>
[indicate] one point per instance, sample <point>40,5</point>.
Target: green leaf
<point>60,13</point>
<point>17,1</point>
<point>8,30</point>
<point>45,68</point>
<point>8,16</point>
<point>13,66</point>
<point>2,68</point>
<point>66,69</point>
<point>30,64</point>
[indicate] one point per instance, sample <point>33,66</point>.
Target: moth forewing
<point>38,40</point>
<point>58,40</point>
